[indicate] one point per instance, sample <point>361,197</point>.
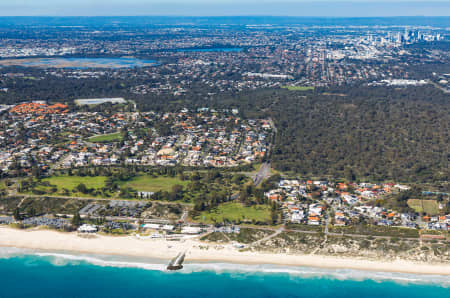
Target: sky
<point>311,8</point>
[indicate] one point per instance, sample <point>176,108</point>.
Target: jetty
<point>177,262</point>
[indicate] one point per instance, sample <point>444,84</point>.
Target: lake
<point>210,50</point>
<point>79,63</point>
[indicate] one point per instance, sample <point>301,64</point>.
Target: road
<point>184,216</point>
<point>263,173</point>
<point>58,165</point>
<point>273,125</point>
<point>438,86</point>
<point>264,170</point>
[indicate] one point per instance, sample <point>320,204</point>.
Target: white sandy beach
<point>197,251</point>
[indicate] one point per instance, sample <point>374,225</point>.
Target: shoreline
<point>198,251</point>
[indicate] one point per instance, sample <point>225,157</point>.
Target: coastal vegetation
<point>35,206</point>
<point>389,248</point>
<point>26,207</point>
<point>372,230</point>
<point>245,235</point>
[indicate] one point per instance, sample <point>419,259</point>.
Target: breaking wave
<point>64,259</point>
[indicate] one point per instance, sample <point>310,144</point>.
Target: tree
<point>274,213</point>
<point>238,178</point>
<point>195,176</point>
<point>65,191</point>
<point>82,188</point>
<point>76,219</point>
<point>31,212</point>
<point>349,174</point>
<point>176,193</point>
<point>17,215</point>
<point>36,171</point>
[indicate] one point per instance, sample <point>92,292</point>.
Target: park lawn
<point>107,138</point>
<point>232,211</point>
<point>299,88</point>
<point>430,207</point>
<point>151,184</point>
<point>257,166</point>
<point>70,182</point>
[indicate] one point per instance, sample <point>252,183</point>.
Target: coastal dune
<point>198,251</point>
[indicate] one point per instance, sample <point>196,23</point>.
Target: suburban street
<point>263,173</point>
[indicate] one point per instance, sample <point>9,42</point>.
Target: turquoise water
<point>33,274</point>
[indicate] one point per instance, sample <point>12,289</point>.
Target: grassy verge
<point>303,227</point>
<point>430,207</point>
<point>107,138</point>
<point>298,88</point>
<point>235,212</point>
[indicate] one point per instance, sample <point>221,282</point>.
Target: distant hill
<point>145,21</point>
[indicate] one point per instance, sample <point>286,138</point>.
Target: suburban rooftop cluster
<point>49,136</point>
<point>320,202</point>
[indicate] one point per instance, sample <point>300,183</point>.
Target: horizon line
<point>222,16</point>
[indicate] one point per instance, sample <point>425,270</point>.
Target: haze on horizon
<point>305,8</point>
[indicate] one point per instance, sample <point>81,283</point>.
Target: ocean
<point>28,273</point>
